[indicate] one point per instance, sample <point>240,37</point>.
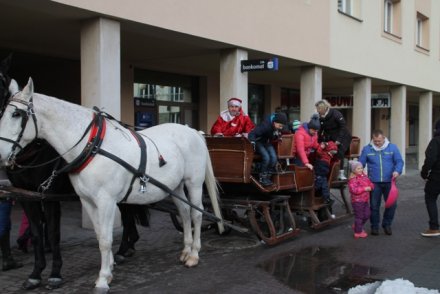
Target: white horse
<point>103,182</point>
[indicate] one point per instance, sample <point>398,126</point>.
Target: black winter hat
<point>279,117</point>
<point>314,122</point>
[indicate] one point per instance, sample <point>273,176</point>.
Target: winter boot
<point>264,180</point>
<point>8,262</point>
<point>342,176</point>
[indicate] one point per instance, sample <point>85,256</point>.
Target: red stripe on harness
<point>93,133</point>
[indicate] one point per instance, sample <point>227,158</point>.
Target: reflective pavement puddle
<point>317,270</point>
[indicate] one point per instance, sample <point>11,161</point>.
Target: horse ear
<point>28,91</point>
<point>6,63</point>
<point>13,87</point>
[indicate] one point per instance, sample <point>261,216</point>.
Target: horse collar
<point>93,145</point>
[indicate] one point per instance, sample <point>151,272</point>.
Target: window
<point>165,97</point>
<point>392,17</point>
<point>350,7</point>
<point>388,21</point>
<point>422,31</point>
<point>344,6</point>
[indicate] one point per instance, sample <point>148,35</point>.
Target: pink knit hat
<point>354,164</point>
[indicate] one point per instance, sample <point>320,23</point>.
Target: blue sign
<point>259,64</point>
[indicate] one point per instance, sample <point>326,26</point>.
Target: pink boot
<point>362,234</point>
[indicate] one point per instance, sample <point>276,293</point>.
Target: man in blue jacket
<point>384,162</point>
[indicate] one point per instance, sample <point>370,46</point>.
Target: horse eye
<point>16,114</point>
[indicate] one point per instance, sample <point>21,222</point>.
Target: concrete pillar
<point>362,110</point>
<point>127,103</point>
<point>210,102</point>
<point>101,65</point>
<point>101,74</point>
<point>310,91</point>
<point>398,119</point>
<point>233,83</point>
<point>425,125</point>
<point>273,93</point>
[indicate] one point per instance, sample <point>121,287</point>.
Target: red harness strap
<point>92,136</point>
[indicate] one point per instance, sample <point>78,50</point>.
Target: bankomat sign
<point>378,100</point>
<point>259,64</point>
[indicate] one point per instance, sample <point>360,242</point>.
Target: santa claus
<point>233,121</point>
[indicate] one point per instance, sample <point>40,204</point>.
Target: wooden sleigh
<point>270,211</point>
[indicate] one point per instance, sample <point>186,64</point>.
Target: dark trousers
<point>432,190</point>
<point>321,185</point>
<point>381,189</point>
<point>268,156</point>
<point>361,215</point>
<point>5,217</point>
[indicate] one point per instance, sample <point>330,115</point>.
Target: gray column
<point>101,65</point>
<point>233,83</point>
<point>425,125</point>
<point>362,109</point>
<point>310,91</point>
<point>398,119</point>
<point>101,74</point>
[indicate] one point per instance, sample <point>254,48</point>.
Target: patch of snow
<point>391,287</point>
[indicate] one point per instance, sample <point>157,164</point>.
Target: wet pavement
<point>326,261</point>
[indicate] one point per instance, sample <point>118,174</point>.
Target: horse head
<point>15,132</point>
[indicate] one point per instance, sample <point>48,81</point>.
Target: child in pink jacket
<point>360,186</point>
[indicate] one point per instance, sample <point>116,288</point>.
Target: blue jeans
<point>5,217</point>
<point>381,189</point>
<point>268,156</point>
<point>321,184</point>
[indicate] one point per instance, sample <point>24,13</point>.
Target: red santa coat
<point>230,127</point>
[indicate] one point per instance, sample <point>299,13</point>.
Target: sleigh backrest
<point>231,158</point>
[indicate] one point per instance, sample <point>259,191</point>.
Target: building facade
<point>148,62</point>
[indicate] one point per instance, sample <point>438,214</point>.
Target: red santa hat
<point>234,102</point>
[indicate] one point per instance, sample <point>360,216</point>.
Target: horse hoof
<point>97,290</point>
<point>31,284</point>
<point>119,259</point>
<point>130,252</point>
<point>54,283</point>
<point>191,261</point>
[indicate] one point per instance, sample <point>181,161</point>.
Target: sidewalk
<point>313,262</point>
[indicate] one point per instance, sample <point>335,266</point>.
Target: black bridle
<point>24,114</point>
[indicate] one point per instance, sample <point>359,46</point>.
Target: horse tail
<point>212,187</point>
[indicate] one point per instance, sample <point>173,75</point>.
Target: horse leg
<point>35,215</point>
<point>106,215</point>
<point>184,212</point>
<point>195,196</point>
<point>52,212</point>
<point>129,234</point>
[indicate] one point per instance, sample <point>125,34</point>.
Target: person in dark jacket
<point>261,138</point>
<point>384,162</point>
<point>431,173</point>
<point>333,128</point>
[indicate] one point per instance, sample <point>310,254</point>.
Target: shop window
<point>256,103</point>
<point>422,31</point>
<point>162,98</point>
<point>392,17</point>
<point>290,103</point>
